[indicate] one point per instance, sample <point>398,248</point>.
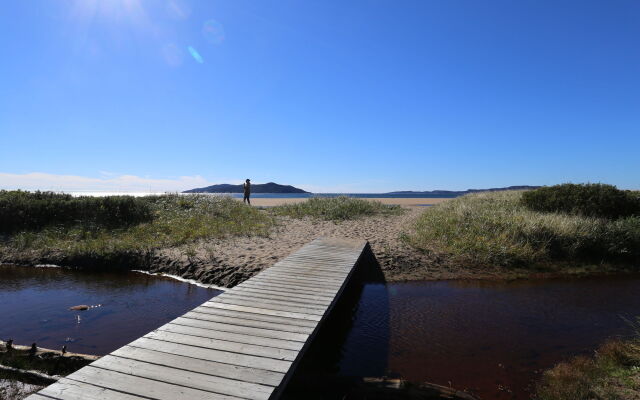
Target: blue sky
<point>352,96</point>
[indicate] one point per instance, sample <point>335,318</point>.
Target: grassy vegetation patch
<point>497,229</point>
<point>613,373</point>
<point>174,220</point>
<point>593,200</point>
<point>21,210</point>
<point>336,208</point>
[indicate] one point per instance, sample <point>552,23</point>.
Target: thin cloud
<point>106,183</point>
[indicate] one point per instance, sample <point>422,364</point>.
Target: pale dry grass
<point>496,229</point>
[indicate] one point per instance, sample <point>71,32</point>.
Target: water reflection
<point>491,338</point>
<point>34,303</point>
<point>353,342</point>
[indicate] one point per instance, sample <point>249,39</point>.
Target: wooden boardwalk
<point>242,344</point>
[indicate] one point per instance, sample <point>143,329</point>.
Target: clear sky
<point>351,96</point>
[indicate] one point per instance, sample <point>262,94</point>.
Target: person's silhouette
<point>247,191</point>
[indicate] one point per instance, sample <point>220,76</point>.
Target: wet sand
<point>262,202</point>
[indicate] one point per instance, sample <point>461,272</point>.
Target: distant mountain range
<point>463,192</point>
<point>255,188</point>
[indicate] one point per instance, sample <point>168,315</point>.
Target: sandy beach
<point>422,201</point>
<point>227,262</point>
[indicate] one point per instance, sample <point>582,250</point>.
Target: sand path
<point>230,261</point>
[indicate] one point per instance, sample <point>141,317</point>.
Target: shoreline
<point>226,262</point>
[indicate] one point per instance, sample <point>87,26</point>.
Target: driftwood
<point>6,346</point>
<point>39,365</point>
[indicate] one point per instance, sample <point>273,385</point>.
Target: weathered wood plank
<point>288,288</point>
<point>223,370</point>
<point>309,266</point>
<point>211,314</point>
<point>191,379</point>
<point>297,266</point>
<point>243,360</point>
<point>255,316</point>
<point>264,311</point>
<point>224,345</point>
<point>300,283</point>
<point>243,344</point>
<point>317,279</point>
<point>242,329</point>
<point>74,390</point>
<point>141,386</point>
<point>315,303</point>
<point>325,259</point>
<point>293,271</point>
<point>327,291</point>
<point>270,305</point>
<point>232,336</point>
<point>246,289</point>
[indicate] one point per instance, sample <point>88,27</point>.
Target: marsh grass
<point>497,229</point>
<point>612,373</point>
<point>336,208</point>
<point>175,220</point>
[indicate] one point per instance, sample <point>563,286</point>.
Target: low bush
<point>497,229</point>
<point>336,208</point>
<point>21,210</point>
<point>592,200</point>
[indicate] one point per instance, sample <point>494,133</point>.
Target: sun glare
<point>131,11</point>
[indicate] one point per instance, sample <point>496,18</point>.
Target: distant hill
<point>255,188</point>
<point>463,192</point>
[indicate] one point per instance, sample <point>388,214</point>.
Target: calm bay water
<point>34,304</point>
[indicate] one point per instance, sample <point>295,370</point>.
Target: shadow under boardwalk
<point>243,344</point>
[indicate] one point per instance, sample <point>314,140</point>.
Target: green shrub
<point>21,210</point>
<point>335,208</point>
<point>176,220</point>
<point>593,200</point>
<point>497,229</point>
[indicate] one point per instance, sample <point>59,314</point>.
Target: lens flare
<point>177,9</point>
<point>213,32</point>
<point>172,54</point>
<point>194,53</point>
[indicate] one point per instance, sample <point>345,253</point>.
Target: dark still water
<point>34,305</point>
<point>491,338</point>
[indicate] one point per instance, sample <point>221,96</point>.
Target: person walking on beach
<point>247,191</point>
